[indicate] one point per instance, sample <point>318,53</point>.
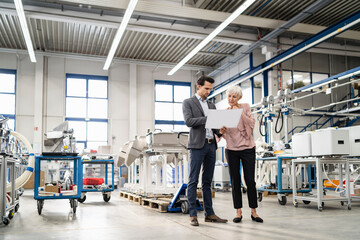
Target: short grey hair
<point>234,90</point>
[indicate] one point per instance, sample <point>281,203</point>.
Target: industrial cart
<point>39,192</point>
<point>281,193</point>
<point>319,198</point>
<point>7,210</point>
<point>105,189</point>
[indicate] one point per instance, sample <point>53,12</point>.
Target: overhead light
<point>203,43</point>
<point>120,33</point>
<point>304,48</point>
<point>349,75</point>
<point>25,29</point>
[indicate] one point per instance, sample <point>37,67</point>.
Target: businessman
<point>202,145</point>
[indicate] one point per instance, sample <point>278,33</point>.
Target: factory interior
<point>99,124</point>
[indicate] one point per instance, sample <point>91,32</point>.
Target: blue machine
<point>77,180</point>
<point>180,202</point>
<point>106,192</point>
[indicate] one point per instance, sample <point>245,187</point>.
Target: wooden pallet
<point>157,205</point>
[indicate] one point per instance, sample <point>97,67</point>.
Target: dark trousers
<point>247,157</point>
<point>205,157</point>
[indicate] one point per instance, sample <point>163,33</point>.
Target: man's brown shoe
<point>194,221</point>
<point>214,218</point>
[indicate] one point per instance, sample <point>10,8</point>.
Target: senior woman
<point>240,146</point>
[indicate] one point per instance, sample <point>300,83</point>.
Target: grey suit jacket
<point>195,119</point>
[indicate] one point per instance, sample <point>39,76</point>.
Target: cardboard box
<point>356,191</point>
<point>51,188</point>
<point>31,182</point>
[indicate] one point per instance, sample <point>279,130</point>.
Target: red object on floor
<point>93,181</point>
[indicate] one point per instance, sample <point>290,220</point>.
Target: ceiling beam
<point>163,9</point>
<point>102,59</point>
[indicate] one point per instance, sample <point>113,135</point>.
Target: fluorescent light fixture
<point>120,33</point>
<point>25,29</point>
<point>222,89</point>
<point>213,34</point>
<point>349,75</point>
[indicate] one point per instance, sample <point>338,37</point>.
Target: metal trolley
<point>77,180</point>
<point>105,189</point>
<point>7,211</point>
<point>281,193</point>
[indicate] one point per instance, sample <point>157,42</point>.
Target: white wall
<point>54,93</point>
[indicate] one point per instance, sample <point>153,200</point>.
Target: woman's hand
<point>223,130</point>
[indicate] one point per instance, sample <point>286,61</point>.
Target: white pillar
<point>164,170</point>
<point>38,105</point>
<point>186,168</point>
<point>132,101</point>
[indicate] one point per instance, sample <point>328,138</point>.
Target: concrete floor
<point>122,219</point>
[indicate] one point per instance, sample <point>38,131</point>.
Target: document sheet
<point>216,119</point>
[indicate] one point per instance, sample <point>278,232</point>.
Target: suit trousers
<point>206,157</point>
<point>247,157</point>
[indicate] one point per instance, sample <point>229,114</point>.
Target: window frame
<point>11,116</point>
<point>173,84</point>
<point>87,119</point>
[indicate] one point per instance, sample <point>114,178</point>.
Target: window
<point>87,109</point>
<point>316,77</point>
<point>247,92</point>
<point>8,95</point>
<point>168,105</point>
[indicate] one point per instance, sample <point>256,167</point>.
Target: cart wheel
<point>106,198</point>
<point>324,192</point>
<point>40,204</point>
<point>81,200</point>
<point>282,201</point>
<point>342,203</point>
<point>244,190</point>
<point>17,206</point>
<point>306,202</point>
<point>6,221</point>
<point>185,207</point>
<point>260,196</point>
<point>11,214</point>
<point>349,207</point>
<point>74,206</point>
<point>322,204</point>
<point>296,204</point>
<point>320,208</point>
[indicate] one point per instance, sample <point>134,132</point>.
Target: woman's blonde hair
<point>234,90</point>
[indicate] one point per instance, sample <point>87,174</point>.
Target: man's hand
<point>223,130</point>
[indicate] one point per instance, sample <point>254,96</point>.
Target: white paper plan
<point>216,119</point>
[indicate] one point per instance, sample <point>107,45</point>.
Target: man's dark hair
<point>202,79</point>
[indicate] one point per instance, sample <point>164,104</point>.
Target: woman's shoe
<point>257,219</point>
<point>237,219</point>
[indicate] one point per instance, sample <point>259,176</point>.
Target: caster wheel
<point>260,196</point>
<point>11,214</point>
<point>296,204</point>
<point>185,207</point>
<point>306,202</point>
<point>322,204</point>
<point>106,198</point>
<point>342,203</point>
<point>73,205</point>
<point>282,201</point>
<point>349,207</point>
<point>320,208</point>
<point>17,206</point>
<point>40,205</point>
<point>6,221</point>
<point>81,200</point>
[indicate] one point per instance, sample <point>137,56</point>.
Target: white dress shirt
<point>205,107</point>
